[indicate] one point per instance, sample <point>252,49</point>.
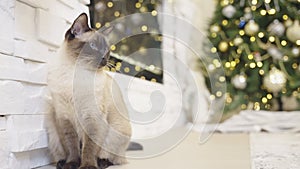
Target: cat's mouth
<point>104,59</point>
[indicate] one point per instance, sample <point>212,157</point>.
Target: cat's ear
<point>108,30</point>
<point>80,25</point>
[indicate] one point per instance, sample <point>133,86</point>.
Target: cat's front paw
<point>88,167</point>
<point>104,163</point>
<point>60,164</point>
<point>71,165</point>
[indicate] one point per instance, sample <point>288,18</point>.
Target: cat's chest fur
<point>73,86</point>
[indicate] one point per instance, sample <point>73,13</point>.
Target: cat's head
<point>88,46</point>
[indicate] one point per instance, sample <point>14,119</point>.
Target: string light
<point>243,106</point>
<point>269,96</point>
<point>283,42</point>
<point>222,79</point>
<point>261,72</point>
<point>285,17</point>
<point>138,5</point>
<point>267,1</point>
<point>242,32</point>
<point>252,65</point>
<point>154,13</point>
<point>271,38</point>
<point>98,25</point>
<point>250,56</point>
<point>264,100</point>
<point>153,80</point>
<point>213,50</point>
<point>271,11</point>
<point>252,39</point>
<point>219,94</point>
<point>224,22</point>
<point>126,70</point>
<point>263,12</point>
<point>137,68</point>
<point>259,64</point>
<point>110,4</point>
<point>294,65</point>
<point>144,28</point>
<point>261,34</point>
<point>112,47</point>
<point>117,13</point>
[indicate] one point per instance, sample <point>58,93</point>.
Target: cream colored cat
<point>88,107</point>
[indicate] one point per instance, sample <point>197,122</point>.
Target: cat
<point>88,122</point>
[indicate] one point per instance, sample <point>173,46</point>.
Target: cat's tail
<point>134,146</point>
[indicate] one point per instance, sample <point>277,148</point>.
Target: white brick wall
<point>31,35</point>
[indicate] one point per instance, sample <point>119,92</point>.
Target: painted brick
<point>6,46</point>
<point>70,3</point>
<point>24,21</point>
<point>36,3</point>
<point>4,153</point>
<point>12,97</point>
<point>12,68</point>
<point>46,24</point>
<point>19,160</point>
<point>25,122</point>
<point>32,50</point>
<point>2,123</point>
<point>28,159</point>
<point>37,72</point>
<point>37,99</point>
<point>85,2</point>
<point>21,141</point>
<point>39,158</point>
<point>7,17</point>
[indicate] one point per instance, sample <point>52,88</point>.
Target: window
<point>133,55</point>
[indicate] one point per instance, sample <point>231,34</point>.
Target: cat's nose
<point>103,62</point>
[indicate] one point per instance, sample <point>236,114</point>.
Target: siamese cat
<point>88,122</point>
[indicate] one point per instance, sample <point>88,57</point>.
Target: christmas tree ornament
<point>248,15</point>
<point>257,56</point>
<point>275,80</point>
<point>295,51</point>
<point>251,28</point>
<point>238,41</point>
<point>100,6</point>
<point>276,28</point>
<point>288,23</point>
<point>229,11</point>
<point>223,46</point>
<point>275,52</point>
<point>242,23</point>
<point>292,32</point>
<point>239,81</point>
<point>215,29</point>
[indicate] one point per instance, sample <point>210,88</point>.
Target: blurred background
<point>245,79</point>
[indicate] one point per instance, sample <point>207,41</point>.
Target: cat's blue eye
<point>93,46</point>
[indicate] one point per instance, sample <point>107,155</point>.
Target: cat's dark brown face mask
<point>88,45</point>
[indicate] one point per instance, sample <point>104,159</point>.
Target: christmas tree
<point>258,42</point>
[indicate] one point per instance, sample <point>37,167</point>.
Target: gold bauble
<point>223,46</point>
<point>292,32</point>
<point>251,28</point>
<point>238,41</point>
<point>288,23</point>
